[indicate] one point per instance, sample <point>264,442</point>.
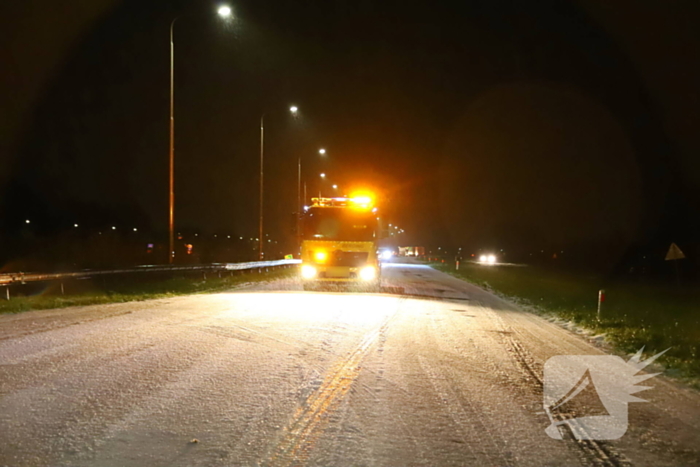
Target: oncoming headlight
<point>307,271</point>
<point>487,259</point>
<point>368,273</point>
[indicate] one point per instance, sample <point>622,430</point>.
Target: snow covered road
<point>439,372</point>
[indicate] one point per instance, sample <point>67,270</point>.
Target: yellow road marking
<point>308,422</point>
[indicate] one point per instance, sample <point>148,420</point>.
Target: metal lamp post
<point>293,109</point>
<point>224,12</point>
<point>300,205</point>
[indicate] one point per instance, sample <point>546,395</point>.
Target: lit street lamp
<point>224,12</point>
<point>323,177</point>
<point>293,109</point>
<point>300,206</point>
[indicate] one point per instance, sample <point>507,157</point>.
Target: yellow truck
<point>339,243</point>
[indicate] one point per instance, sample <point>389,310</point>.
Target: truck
<point>339,239</point>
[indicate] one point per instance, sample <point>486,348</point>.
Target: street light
<point>224,12</point>
<point>293,109</point>
<point>299,197</point>
<point>323,175</point>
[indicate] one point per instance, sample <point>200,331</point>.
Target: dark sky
<point>544,123</point>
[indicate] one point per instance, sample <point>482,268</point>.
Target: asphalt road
<point>434,372</point>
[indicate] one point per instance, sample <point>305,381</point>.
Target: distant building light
<point>75,225</point>
<point>114,228</point>
<point>27,221</point>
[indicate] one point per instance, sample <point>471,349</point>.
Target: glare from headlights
<point>487,259</point>
<point>368,273</point>
<point>387,254</point>
<point>307,271</point>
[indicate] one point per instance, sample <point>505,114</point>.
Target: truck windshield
<point>339,224</point>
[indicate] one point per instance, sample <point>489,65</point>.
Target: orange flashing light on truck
<point>339,242</point>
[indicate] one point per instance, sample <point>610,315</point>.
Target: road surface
<point>435,372</point>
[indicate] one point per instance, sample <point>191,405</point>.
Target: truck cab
<point>339,243</point>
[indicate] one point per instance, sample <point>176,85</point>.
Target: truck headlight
<point>368,273</point>
<point>307,271</point>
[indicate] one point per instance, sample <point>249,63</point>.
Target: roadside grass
<point>136,290</point>
<point>635,314</point>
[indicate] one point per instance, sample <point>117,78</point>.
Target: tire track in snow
<point>310,419</point>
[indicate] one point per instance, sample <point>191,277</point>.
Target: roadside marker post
<point>601,299</point>
<point>674,254</point>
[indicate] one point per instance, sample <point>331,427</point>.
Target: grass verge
<point>657,316</point>
<point>136,290</point>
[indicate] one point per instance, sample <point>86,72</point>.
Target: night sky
<point>550,125</point>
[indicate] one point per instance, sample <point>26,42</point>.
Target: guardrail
<point>15,278</point>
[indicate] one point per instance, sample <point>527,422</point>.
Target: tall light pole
<point>224,12</point>
<point>299,198</point>
<point>320,185</point>
<point>171,218</point>
<point>293,109</point>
